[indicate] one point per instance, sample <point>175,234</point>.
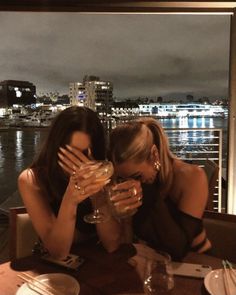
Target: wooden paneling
<point>116,6</point>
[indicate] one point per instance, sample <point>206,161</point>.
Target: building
<point>173,110</point>
<point>92,93</point>
<point>14,92</point>
<point>77,93</point>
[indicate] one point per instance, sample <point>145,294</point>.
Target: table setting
<point>48,284</point>
<point>221,281</point>
<point>132,269</point>
<point>120,273</point>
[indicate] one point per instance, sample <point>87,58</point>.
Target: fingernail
<point>69,147</point>
<point>60,155</point>
<point>60,163</point>
<point>107,181</point>
<point>62,149</point>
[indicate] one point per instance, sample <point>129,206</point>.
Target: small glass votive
<point>158,278</point>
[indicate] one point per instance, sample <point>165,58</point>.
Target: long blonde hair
<point>134,140</point>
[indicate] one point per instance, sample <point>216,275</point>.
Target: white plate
<point>63,283</point>
<point>214,283</point>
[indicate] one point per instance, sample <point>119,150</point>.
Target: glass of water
<point>119,211</point>
<point>158,277</point>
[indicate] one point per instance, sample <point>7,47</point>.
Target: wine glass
<point>159,275</point>
<point>102,170</point>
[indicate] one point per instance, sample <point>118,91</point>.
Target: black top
<point>83,209</point>
<point>163,226</point>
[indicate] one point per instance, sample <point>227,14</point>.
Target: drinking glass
<point>102,170</point>
<point>116,210</point>
<point>159,275</point>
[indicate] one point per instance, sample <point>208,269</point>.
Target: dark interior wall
<point>116,6</point>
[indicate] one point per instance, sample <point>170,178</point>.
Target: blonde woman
<point>174,193</point>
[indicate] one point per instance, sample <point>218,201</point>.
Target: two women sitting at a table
<point>174,192</point>
<point>170,201</point>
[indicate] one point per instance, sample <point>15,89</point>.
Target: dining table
<point>103,273</point>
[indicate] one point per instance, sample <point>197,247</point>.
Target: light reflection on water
<point>18,147</point>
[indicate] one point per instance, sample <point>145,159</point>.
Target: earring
<point>157,165</point>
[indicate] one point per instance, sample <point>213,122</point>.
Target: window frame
<point>159,7</point>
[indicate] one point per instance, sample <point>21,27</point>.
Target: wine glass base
<point>95,218</point>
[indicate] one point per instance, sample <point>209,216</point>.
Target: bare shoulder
<point>185,172</point>
<point>26,176</point>
<point>27,180</point>
<point>192,185</point>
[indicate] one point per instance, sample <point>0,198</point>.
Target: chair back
<point>212,171</point>
<point>22,234</point>
<point>221,231</point>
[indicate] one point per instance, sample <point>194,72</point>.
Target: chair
<point>221,230</point>
<point>212,171</point>
<point>22,234</point>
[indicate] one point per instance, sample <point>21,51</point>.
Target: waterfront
<point>18,147</point>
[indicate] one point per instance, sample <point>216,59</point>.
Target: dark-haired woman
<point>54,194</point>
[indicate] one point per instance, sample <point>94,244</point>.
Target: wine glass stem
<point>95,209</point>
<point>96,212</point>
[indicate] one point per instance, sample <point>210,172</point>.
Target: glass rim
<point>160,256</point>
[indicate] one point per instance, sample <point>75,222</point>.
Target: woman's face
<point>143,171</point>
<point>81,141</point>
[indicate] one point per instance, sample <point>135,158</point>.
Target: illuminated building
<point>182,110</point>
<point>92,93</point>
<point>14,92</point>
<point>77,93</point>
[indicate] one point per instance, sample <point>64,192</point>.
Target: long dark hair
<point>49,175</point>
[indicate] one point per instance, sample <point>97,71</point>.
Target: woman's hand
<point>71,159</point>
<point>83,182</point>
<point>127,195</point>
<point>79,188</point>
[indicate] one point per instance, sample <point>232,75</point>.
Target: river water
<point>18,147</point>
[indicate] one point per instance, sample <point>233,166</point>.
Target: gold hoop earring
<point>157,165</point>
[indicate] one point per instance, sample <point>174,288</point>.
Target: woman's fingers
<point>134,201</point>
<point>125,191</point>
<point>122,207</point>
<point>66,164</point>
<point>87,177</point>
<point>80,155</point>
<point>69,158</point>
<point>65,167</point>
<point>68,161</point>
<point>86,186</point>
<point>127,197</point>
<point>83,190</point>
<point>119,195</point>
<point>126,185</point>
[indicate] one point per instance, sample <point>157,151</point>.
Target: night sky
<point>142,55</point>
